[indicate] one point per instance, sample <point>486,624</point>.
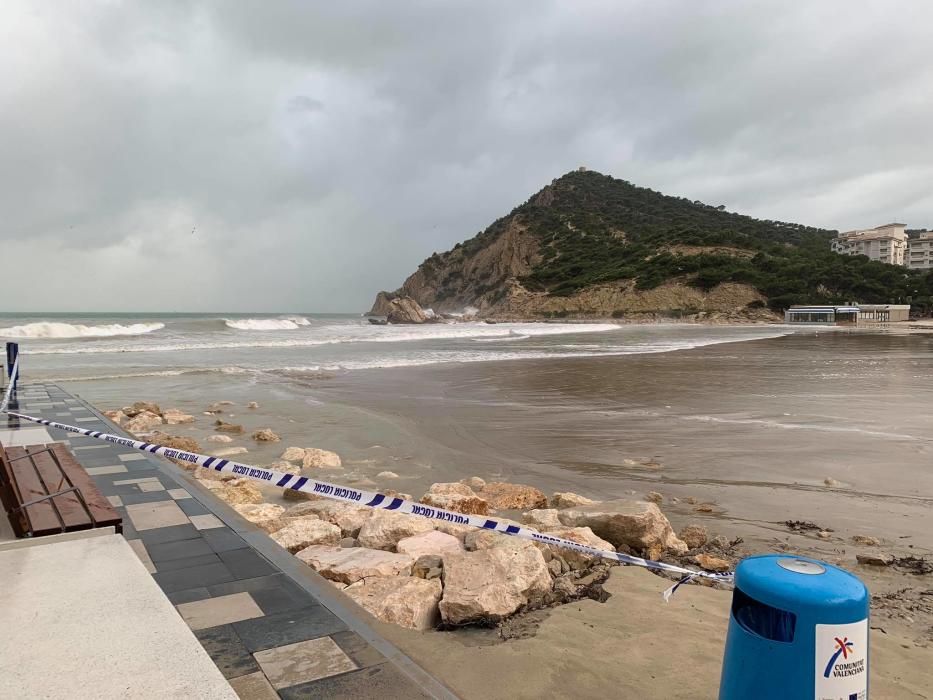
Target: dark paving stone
<point>273,594</point>
<point>189,506</point>
<point>228,652</point>
<point>187,562</point>
<point>288,627</point>
<point>129,532</point>
<point>357,648</point>
<point>188,595</point>
<point>223,539</point>
<point>143,497</point>
<point>172,533</point>
<point>374,683</point>
<point>246,563</point>
<point>179,549</point>
<point>182,579</point>
<point>142,465</point>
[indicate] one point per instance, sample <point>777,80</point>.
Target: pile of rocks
<point>420,573</point>
<point>143,416</point>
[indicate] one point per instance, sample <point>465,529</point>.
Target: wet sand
<point>632,646</point>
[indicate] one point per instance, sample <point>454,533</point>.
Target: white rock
<point>252,404</point>
<point>542,519</point>
<point>304,532</point>
<point>570,500</point>
<point>293,454</point>
<point>266,516</point>
<point>173,416</point>
<point>432,542</point>
<point>265,435</point>
<point>345,516</point>
<point>117,416</point>
<point>385,528</point>
<point>492,583</point>
<point>142,422</point>
<point>283,466</point>
<point>387,475</point>
<point>580,535</point>
<point>219,438</point>
<point>348,565</point>
<point>636,524</point>
<point>320,459</point>
<point>475,483</point>
<point>407,602</point>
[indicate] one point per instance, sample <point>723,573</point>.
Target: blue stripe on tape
<point>221,464</point>
<point>154,448</point>
<point>490,524</point>
<point>511,529</point>
<point>209,461</point>
<point>396,502</point>
<point>145,445</point>
<point>377,499</point>
<point>301,482</point>
<point>283,481</point>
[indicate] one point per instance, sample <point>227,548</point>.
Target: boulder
<point>347,517</point>
<point>387,475</point>
<point>431,542</point>
<point>458,531</point>
<point>115,416</point>
<point>348,565</point>
<point>142,422</point>
<point>866,540</point>
<point>252,404</point>
<point>348,542</point>
<point>428,566</point>
<point>219,438</point>
<point>173,416</point>
<point>384,528</point>
<point>177,442</point>
<point>875,559</point>
<point>654,497</point>
<point>581,535</point>
<point>304,532</point>
<point>694,536</point>
<point>283,466</point>
<point>140,407</point>
<point>456,497</point>
<point>320,459</point>
<point>486,539</point>
<point>224,427</point>
<point>293,454</point>
<point>474,482</point>
<point>711,563</point>
<point>266,516</point>
<point>405,310</point>
<point>407,602</point>
<point>570,500</point>
<point>229,451</point>
<point>265,435</point>
<point>542,519</point>
<point>503,496</point>
<point>490,584</point>
<point>636,524</point>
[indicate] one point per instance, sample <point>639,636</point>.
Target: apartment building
<point>920,252</point>
<point>887,244</point>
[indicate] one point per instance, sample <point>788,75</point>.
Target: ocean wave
<point>512,336</point>
<point>154,373</point>
<point>267,324</point>
<point>48,329</point>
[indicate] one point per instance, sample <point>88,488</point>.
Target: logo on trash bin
<point>843,647</point>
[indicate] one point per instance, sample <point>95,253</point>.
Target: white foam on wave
<point>300,320</point>
<point>266,324</point>
<point>49,329</point>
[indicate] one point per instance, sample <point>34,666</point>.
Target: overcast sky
<point>320,151</point>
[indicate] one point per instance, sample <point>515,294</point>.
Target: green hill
<point>589,231</point>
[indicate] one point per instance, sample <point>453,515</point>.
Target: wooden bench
<point>45,491</point>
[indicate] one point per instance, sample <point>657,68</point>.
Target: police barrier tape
<point>371,499</point>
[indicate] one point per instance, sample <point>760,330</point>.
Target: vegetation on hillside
<point>595,229</point>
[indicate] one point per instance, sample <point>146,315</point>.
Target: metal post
<point>12,351</point>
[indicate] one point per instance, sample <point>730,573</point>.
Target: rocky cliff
<point>589,245</point>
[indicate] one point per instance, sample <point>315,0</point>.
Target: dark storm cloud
<point>320,151</point>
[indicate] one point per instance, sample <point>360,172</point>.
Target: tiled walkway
<point>272,625</point>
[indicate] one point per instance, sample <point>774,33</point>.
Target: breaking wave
<point>48,329</point>
<point>268,324</point>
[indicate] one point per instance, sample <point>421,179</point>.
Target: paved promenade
<point>273,627</point>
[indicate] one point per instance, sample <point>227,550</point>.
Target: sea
<point>762,423</point>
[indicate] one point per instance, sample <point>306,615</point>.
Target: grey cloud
<point>323,150</point>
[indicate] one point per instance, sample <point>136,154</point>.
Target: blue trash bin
<point>798,631</point>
